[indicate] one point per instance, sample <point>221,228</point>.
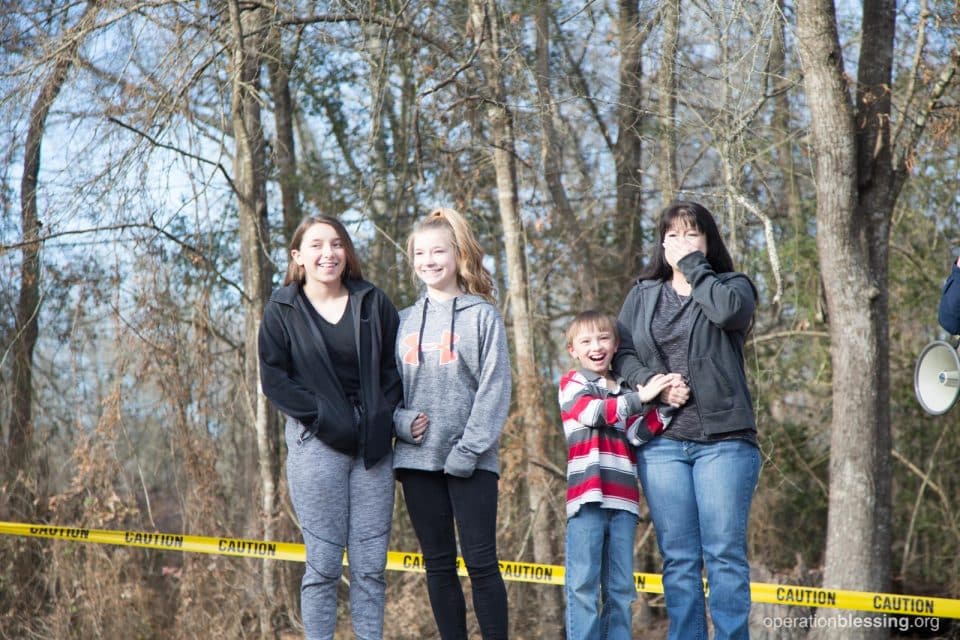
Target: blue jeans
<point>699,497</point>
<point>599,582</point>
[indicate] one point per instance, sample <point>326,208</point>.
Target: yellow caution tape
<point>854,600</point>
<point>513,571</point>
<point>165,541</point>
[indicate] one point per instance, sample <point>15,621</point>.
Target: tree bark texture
<point>284,147</point>
<point>877,196</point>
<point>667,102</point>
<point>848,145</point>
<point>780,119</point>
<point>484,21</point>
<point>249,25</point>
<point>629,146</point>
<point>551,154</point>
<point>20,431</point>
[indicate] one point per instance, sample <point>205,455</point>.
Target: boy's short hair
<point>592,319</point>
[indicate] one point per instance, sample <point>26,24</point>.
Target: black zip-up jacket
<point>298,377</point>
<point>723,310</point>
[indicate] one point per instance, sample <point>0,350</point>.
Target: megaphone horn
<point>936,378</point>
<point>949,378</point>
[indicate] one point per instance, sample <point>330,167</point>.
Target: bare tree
<point>551,154</point>
<point>780,85</point>
<point>20,435</point>
<point>667,101</point>
<point>858,178</point>
<point>248,28</point>
<point>379,196</point>
<point>284,117</point>
<point>486,33</point>
<point>18,454</point>
<point>629,145</point>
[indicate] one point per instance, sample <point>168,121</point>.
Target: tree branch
<point>920,122</point>
<point>169,147</point>
<point>121,227</point>
<point>392,23</point>
<point>779,335</point>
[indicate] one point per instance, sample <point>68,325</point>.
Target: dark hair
<point>296,273</point>
<point>699,217</point>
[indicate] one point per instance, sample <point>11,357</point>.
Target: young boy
<point>598,412</point>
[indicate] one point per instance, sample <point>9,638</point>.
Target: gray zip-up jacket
<point>723,310</point>
<point>455,367</point>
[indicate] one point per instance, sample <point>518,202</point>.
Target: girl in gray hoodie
<point>453,358</point>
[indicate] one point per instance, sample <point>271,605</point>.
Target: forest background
<point>156,155</point>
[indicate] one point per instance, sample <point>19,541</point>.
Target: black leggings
<point>435,500</point>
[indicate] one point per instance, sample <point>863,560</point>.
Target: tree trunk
<point>853,223</point>
<point>875,203</point>
<point>284,147</point>
<point>627,153</point>
<point>667,102</point>
<point>379,203</point>
<point>22,475</point>
<point>551,153</point>
<point>529,393</point>
<point>20,433</point>
<point>250,181</point>
<point>780,120</point>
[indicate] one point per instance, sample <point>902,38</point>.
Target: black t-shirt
<point>341,344</point>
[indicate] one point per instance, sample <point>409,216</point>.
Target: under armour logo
<point>444,346</point>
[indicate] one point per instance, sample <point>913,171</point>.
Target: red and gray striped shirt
<point>601,463</point>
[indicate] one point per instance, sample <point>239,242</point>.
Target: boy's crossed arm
<point>642,429</point>
<point>582,404</point>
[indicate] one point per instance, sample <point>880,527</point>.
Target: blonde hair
<point>472,276</point>
<point>591,319</point>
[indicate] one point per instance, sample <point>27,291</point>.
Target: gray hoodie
<point>455,367</point>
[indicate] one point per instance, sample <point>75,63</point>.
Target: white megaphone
<point>936,379</point>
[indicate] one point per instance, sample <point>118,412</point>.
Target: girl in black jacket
<point>327,363</point>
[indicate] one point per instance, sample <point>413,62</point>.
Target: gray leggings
<point>340,504</point>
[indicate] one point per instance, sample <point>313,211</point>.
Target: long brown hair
<point>296,273</point>
<point>697,216</point>
<point>472,276</point>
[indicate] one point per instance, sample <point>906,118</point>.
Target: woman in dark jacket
<point>327,362</point>
<point>689,313</point>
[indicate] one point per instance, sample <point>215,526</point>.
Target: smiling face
<point>435,261</point>
<point>593,347</point>
<point>322,255</point>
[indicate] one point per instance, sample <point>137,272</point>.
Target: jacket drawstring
<point>423,323</point>
<point>453,316</point>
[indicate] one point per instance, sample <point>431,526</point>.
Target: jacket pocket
<point>714,392</point>
<point>296,433</point>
